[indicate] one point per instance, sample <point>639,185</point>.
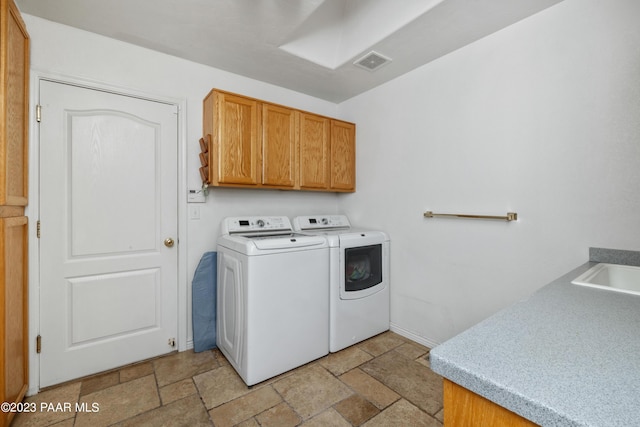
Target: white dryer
<point>273,299</point>
<point>359,278</point>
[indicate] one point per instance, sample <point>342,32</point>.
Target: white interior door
<point>108,201</point>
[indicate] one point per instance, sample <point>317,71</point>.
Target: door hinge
<point>38,113</point>
<point>172,342</point>
<point>38,344</point>
<point>38,229</point>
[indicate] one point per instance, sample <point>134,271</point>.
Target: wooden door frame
<point>33,208</point>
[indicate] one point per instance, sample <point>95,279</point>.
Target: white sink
<point>612,277</point>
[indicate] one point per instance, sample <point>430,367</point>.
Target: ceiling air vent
<point>372,61</point>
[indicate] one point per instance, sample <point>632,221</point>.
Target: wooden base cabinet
<point>257,144</point>
<point>463,408</point>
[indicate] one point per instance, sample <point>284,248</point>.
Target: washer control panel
<point>321,222</point>
<point>255,224</point>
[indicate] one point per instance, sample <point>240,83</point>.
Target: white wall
<point>62,51</point>
<point>541,118</point>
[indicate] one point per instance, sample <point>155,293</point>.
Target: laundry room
<point>536,117</point>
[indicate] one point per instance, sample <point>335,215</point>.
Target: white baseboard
<point>413,337</point>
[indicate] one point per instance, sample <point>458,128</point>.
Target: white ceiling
<point>304,45</point>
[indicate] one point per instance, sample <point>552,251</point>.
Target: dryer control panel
<point>255,224</point>
<point>321,222</point>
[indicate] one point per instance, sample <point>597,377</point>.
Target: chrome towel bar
<point>511,216</point>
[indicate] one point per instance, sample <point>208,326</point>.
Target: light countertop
<point>567,356</point>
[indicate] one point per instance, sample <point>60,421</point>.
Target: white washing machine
<point>273,299</point>
<point>359,278</point>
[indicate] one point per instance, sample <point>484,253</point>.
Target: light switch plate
<point>194,212</point>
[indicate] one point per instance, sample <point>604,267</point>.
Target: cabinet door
<point>314,151</point>
<point>278,146</point>
<point>343,156</point>
<point>13,277</point>
<point>14,111</point>
<point>462,407</point>
<point>236,144</point>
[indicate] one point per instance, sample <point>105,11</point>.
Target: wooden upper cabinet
<point>343,156</point>
<point>314,151</point>
<point>254,144</point>
<point>14,108</point>
<point>279,146</point>
<point>233,122</point>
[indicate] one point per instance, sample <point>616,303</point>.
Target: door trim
<point>32,210</point>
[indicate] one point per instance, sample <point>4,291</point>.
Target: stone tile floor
<point>383,381</point>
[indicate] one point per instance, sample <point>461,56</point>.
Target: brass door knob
<point>168,242</point>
